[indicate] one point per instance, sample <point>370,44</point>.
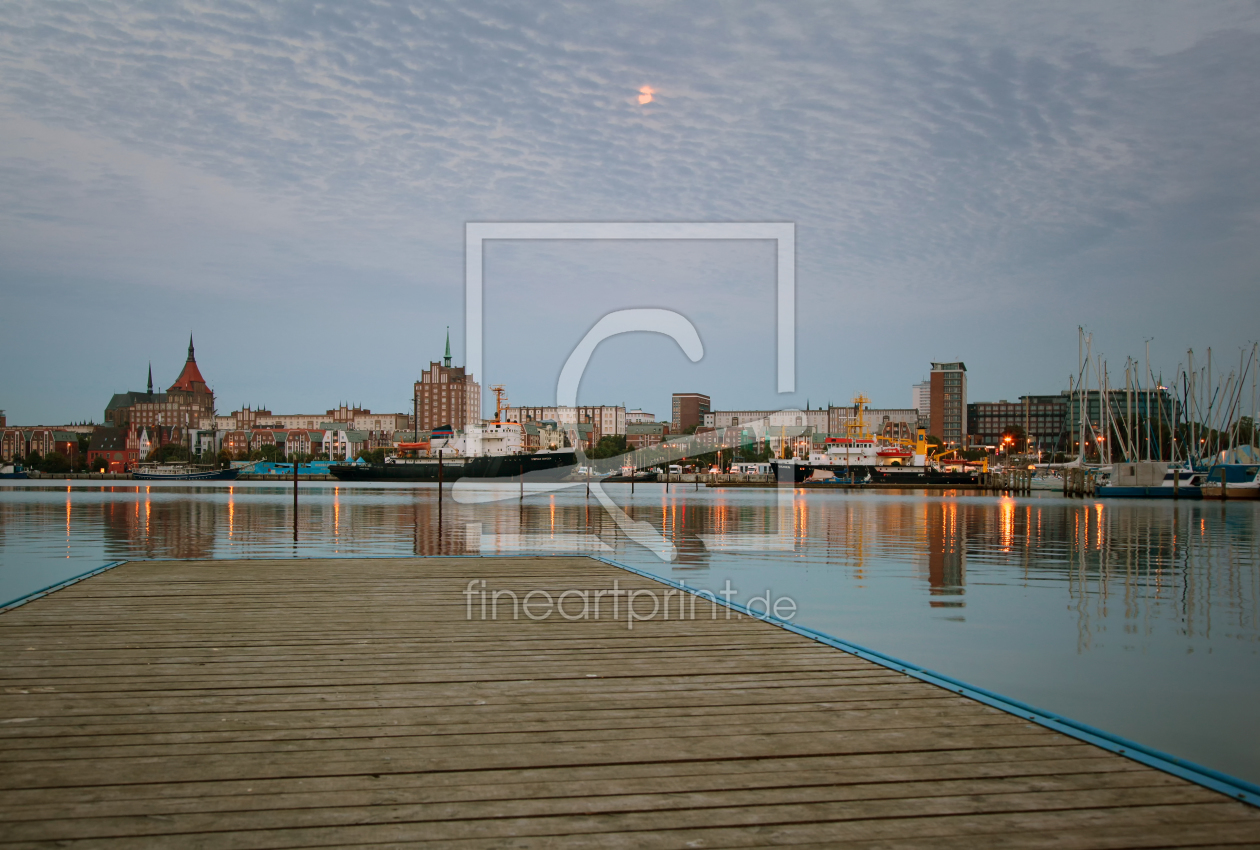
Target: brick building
<point>119,448</point>
<point>343,416</point>
<point>644,435</point>
<point>446,395</point>
<point>17,443</point>
<point>188,403</point>
<point>604,420</point>
<point>949,403</point>
<point>688,411</point>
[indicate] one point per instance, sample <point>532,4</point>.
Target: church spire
<point>191,359</point>
<point>150,377</point>
<point>447,356</point>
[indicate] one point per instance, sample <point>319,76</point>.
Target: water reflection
<point>1192,564</point>
<point>947,552</point>
<point>1140,617</point>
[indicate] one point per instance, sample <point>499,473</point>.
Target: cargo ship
<point>862,457</point>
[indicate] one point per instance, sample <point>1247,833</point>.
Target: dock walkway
<point>279,704</point>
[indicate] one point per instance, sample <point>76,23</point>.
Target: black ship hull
<point>453,469</point>
<point>919,477</point>
<point>887,476</point>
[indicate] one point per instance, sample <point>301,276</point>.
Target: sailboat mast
<point>1080,390</point>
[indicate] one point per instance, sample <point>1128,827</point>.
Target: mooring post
<point>295,497</point>
<point>1224,494</point>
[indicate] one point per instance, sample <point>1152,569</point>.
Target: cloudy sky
<point>291,184</point>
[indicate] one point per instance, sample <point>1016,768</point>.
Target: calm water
<point>1137,617</point>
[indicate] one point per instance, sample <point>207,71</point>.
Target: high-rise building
<point>446,395</point>
<point>921,399</point>
<point>688,411</point>
<point>949,403</point>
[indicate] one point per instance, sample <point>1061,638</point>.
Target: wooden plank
<point>319,703</point>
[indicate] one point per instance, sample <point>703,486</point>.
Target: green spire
<point>448,346</point>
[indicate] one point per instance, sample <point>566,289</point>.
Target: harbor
<point>553,425</point>
<point>350,701</point>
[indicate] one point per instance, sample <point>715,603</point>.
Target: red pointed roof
<point>191,376</point>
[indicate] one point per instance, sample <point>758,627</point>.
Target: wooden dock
<point>277,704</point>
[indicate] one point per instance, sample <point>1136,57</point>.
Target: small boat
<point>1212,487</point>
<point>1152,480</point>
<point>182,472</point>
<point>13,470</point>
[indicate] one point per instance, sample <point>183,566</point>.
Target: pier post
<point>1224,488</point>
<point>295,498</point>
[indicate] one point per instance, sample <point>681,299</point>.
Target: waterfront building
<point>948,418</point>
<point>17,443</point>
<point>890,422</point>
<point>188,403</point>
<point>688,411</point>
<point>345,444</point>
<point>636,416</point>
<point>605,420</point>
<point>118,447</point>
<point>817,418</point>
<point>446,395</point>
<point>237,442</point>
<point>343,416</point>
<point>1042,419</point>
<point>541,435</point>
<point>260,437</point>
<point>644,435</point>
<point>893,422</point>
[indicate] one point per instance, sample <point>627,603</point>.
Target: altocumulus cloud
<point>973,163</point>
